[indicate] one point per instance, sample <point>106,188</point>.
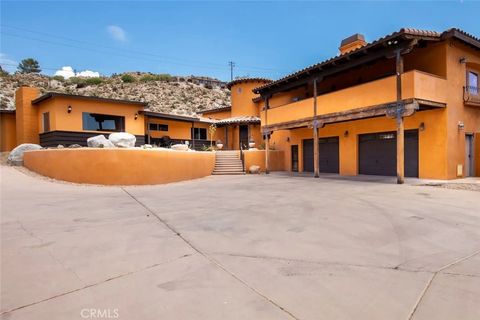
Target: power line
<point>205,65</point>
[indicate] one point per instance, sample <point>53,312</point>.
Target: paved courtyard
<point>238,247</point>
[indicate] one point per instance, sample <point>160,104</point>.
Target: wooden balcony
<point>471,96</point>
<point>416,85</point>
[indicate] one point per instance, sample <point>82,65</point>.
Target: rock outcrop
<point>15,157</point>
<point>99,142</point>
<point>122,139</point>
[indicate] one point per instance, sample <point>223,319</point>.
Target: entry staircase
<point>228,162</point>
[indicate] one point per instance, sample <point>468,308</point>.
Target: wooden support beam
<point>267,140</point>
<point>385,109</point>
<point>400,122</point>
<point>193,135</point>
<point>316,161</point>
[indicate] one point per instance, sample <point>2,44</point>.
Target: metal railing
<point>242,157</point>
<point>471,95</point>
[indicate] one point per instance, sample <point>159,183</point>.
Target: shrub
<point>93,81</point>
<point>80,82</point>
<point>158,77</point>
<point>128,78</point>
<point>58,78</point>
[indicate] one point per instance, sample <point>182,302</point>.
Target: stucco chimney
<point>26,115</point>
<point>351,43</point>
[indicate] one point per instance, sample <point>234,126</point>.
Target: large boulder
<point>99,142</point>
<point>122,139</point>
<point>180,147</point>
<point>15,157</point>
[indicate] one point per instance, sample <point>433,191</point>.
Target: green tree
<point>29,65</point>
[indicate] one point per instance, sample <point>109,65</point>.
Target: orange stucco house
<point>411,96</point>
<point>407,104</point>
<point>57,118</point>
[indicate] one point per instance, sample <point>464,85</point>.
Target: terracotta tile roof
<point>239,119</point>
<point>242,80</point>
<point>406,33</point>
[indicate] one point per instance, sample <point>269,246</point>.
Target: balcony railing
<point>415,84</point>
<point>471,95</point>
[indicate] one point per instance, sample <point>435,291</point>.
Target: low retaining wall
<point>120,166</point>
<point>257,157</point>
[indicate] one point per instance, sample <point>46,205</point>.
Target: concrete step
<point>228,173</point>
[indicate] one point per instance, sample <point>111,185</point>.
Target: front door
<point>469,171</point>
<point>243,137</point>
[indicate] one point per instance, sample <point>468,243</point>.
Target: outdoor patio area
<point>239,247</point>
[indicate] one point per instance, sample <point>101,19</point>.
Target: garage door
<point>377,153</point>
<point>328,155</point>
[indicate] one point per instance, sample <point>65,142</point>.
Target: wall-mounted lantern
<point>288,139</point>
<point>461,126</point>
<point>346,133</point>
<point>462,60</point>
<point>136,116</point>
<point>421,127</point>
<point>69,109</point>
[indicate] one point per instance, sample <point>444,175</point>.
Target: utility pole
<point>231,64</point>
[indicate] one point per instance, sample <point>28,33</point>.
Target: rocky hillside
<point>164,93</point>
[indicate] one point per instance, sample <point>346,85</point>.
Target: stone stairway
<point>228,162</point>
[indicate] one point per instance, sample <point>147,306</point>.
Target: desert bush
<point>58,78</point>
<point>128,78</point>
<point>93,81</point>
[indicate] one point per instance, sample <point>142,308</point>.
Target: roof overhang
<point>403,40</point>
<point>214,110</point>
<point>168,116</point>
<point>238,120</point>
<point>51,95</point>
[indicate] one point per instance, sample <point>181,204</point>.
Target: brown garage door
<point>328,153</point>
<point>377,153</point>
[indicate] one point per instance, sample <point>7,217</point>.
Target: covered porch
<point>237,132</point>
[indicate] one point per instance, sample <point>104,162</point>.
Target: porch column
<point>267,141</point>
<point>226,137</point>
<point>148,129</point>
<point>193,135</point>
<point>400,121</point>
<point>316,165</point>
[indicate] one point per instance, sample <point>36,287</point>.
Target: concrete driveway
<point>238,247</point>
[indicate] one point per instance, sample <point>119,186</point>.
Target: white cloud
<point>7,63</point>
<point>117,33</point>
<point>68,72</point>
<point>88,74</point>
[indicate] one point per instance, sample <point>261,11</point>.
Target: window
<point>473,82</point>
<point>103,122</point>
<point>158,127</point>
<point>199,133</point>
<point>46,121</point>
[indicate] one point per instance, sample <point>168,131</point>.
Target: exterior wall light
<point>69,109</point>
<point>421,127</point>
<point>288,139</point>
<point>136,116</point>
<point>461,126</point>
<point>345,134</point>
<point>462,60</point>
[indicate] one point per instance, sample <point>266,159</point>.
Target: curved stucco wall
<point>120,166</point>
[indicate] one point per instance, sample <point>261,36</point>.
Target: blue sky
<point>267,39</point>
